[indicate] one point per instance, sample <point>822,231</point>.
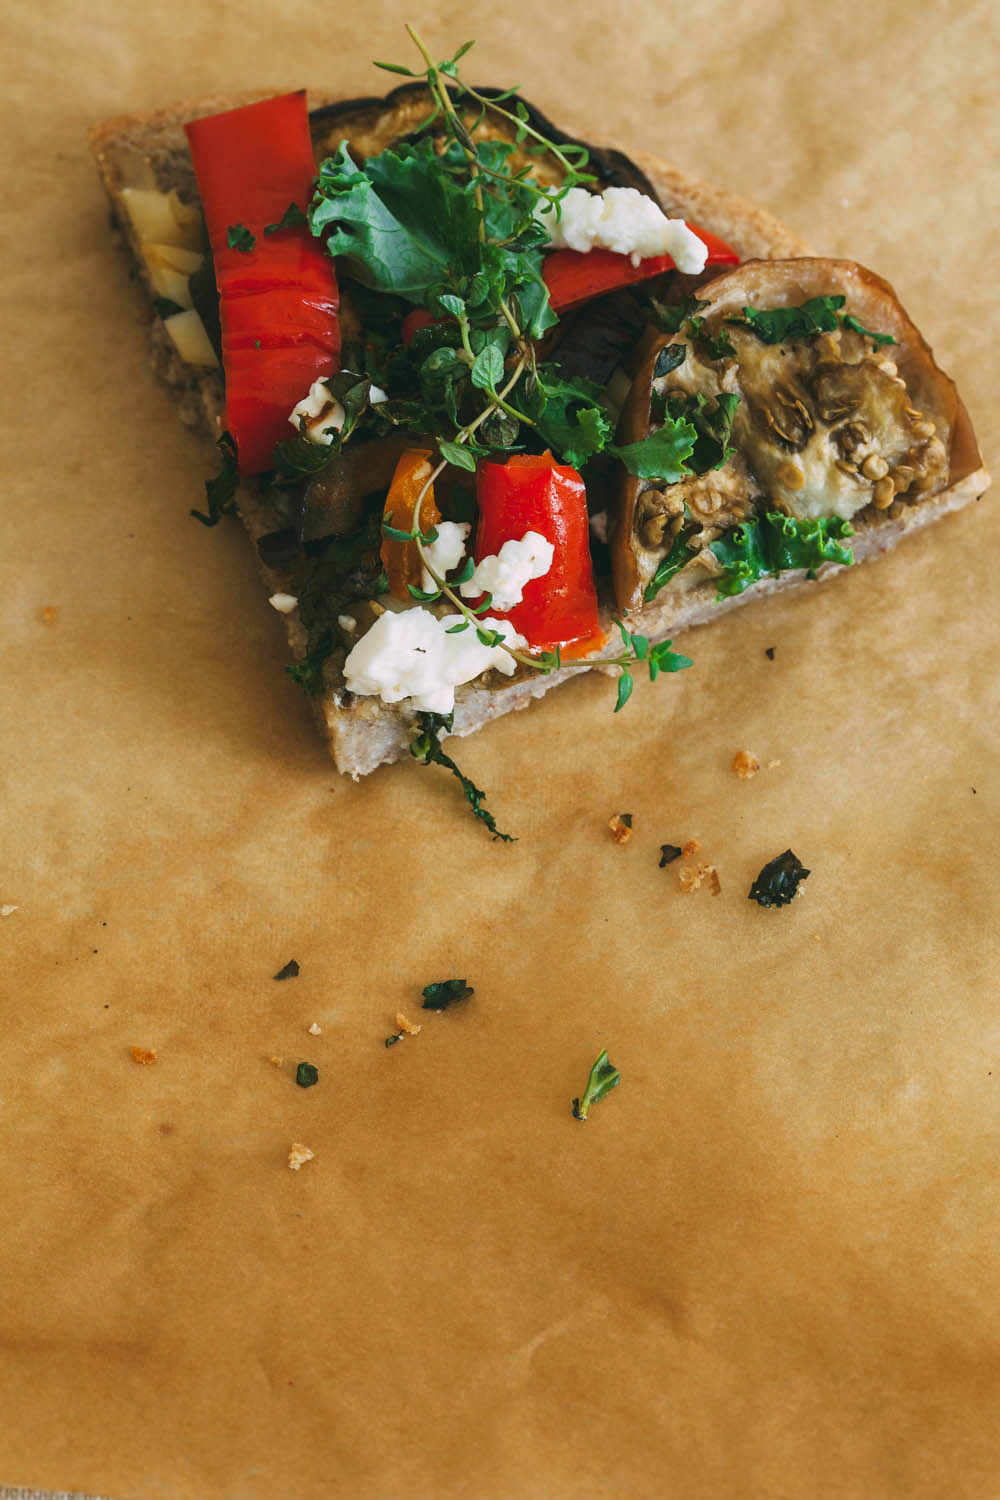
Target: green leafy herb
<point>662,454</point>
<point>569,415</point>
<point>603,1078</point>
<point>306,1075</point>
<point>300,457</point>
<point>671,317</point>
<point>348,570</point>
<point>220,492</point>
<point>426,748</point>
<point>238,237</point>
<point>658,658</point>
<point>779,880</point>
<point>680,554</point>
<point>290,219</point>
<point>446,992</point>
<point>290,970</point>
<point>817,315</point>
<point>712,420</point>
<point>776,543</point>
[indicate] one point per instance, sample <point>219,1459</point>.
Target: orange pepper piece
<point>401,560</point>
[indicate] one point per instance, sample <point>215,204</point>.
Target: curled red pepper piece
<point>574,276</point>
<point>532,492</point>
<point>278,301</point>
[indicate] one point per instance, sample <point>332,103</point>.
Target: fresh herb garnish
<point>290,219</point>
<point>658,658</point>
<point>775,544</point>
<point>603,1078</point>
<point>446,992</point>
<point>306,1075</point>
<point>238,237</point>
<point>289,971</point>
<point>426,748</point>
<point>712,420</point>
<point>817,315</point>
<point>778,881</point>
<point>220,492</point>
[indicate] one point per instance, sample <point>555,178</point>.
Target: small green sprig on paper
<point>604,1077</point>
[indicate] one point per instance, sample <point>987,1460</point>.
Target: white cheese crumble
<point>324,414</point>
<point>446,551</point>
<point>412,655</point>
<point>504,574</point>
<point>348,623</point>
<point>283,603</point>
<point>625,221</point>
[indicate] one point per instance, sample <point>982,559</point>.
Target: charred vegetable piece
<point>278,300</point>
<point>400,557</point>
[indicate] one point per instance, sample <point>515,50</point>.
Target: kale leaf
<point>680,553</point>
<point>817,315</point>
<point>778,881</point>
<point>661,454</point>
<point>776,543</point>
<point>713,424</point>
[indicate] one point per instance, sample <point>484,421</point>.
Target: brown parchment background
<point>767,1265</point>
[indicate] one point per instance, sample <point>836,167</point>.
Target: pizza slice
<point>497,407</point>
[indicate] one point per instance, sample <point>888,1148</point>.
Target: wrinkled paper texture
<point>766,1265</point>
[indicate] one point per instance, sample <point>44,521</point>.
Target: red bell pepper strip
<point>574,276</point>
<point>278,302</point>
<point>533,493</point>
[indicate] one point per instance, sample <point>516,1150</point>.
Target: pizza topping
<point>624,221</point>
<point>504,574</point>
<point>417,655</point>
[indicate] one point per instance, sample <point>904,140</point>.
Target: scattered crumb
<point>621,827</point>
<point>769,652</point>
<point>315,1029</point>
<point>668,853</point>
<point>817,938</point>
<point>289,971</point>
<point>692,877</point>
<point>403,1024</point>
<point>144,1055</point>
<point>8,911</point>
<point>48,615</point>
<point>745,764</point>
<point>772,763</point>
<point>691,847</point>
<point>299,1155</point>
<point>276,1062</point>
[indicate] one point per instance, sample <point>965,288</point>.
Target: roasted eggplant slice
<point>836,411</point>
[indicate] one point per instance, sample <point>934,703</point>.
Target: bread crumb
<point>48,615</point>
<point>402,1024</point>
<point>745,764</point>
<point>276,1062</point>
<point>691,877</point>
<point>8,911</point>
<point>299,1155</point>
<point>691,847</point>
<point>144,1055</point>
<point>315,1029</point>
<point>772,763</point>
<point>621,827</point>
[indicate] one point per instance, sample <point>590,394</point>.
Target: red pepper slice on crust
<point>574,276</point>
<point>278,301</point>
<point>531,492</point>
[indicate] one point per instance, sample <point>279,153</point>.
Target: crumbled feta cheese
<point>625,221</point>
<point>412,655</point>
<point>504,574</point>
<point>323,413</point>
<point>376,396</point>
<point>348,623</point>
<point>8,911</point>
<point>315,1029</point>
<point>283,603</point>
<point>446,552</point>
<point>599,525</point>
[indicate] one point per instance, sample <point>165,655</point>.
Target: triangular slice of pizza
<point>491,413</point>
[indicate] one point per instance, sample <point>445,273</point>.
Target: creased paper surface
<point>766,1265</point>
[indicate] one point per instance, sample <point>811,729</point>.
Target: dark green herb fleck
<point>604,1076</point>
<point>306,1075</point>
<point>292,217</point>
<point>445,992</point>
<point>778,881</point>
<point>769,652</point>
<point>668,853</point>
<point>238,237</point>
<point>165,308</point>
<point>290,971</point>
<point>221,491</point>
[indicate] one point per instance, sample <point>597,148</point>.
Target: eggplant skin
<point>371,124</point>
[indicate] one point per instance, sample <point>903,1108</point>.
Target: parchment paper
<point>766,1265</point>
